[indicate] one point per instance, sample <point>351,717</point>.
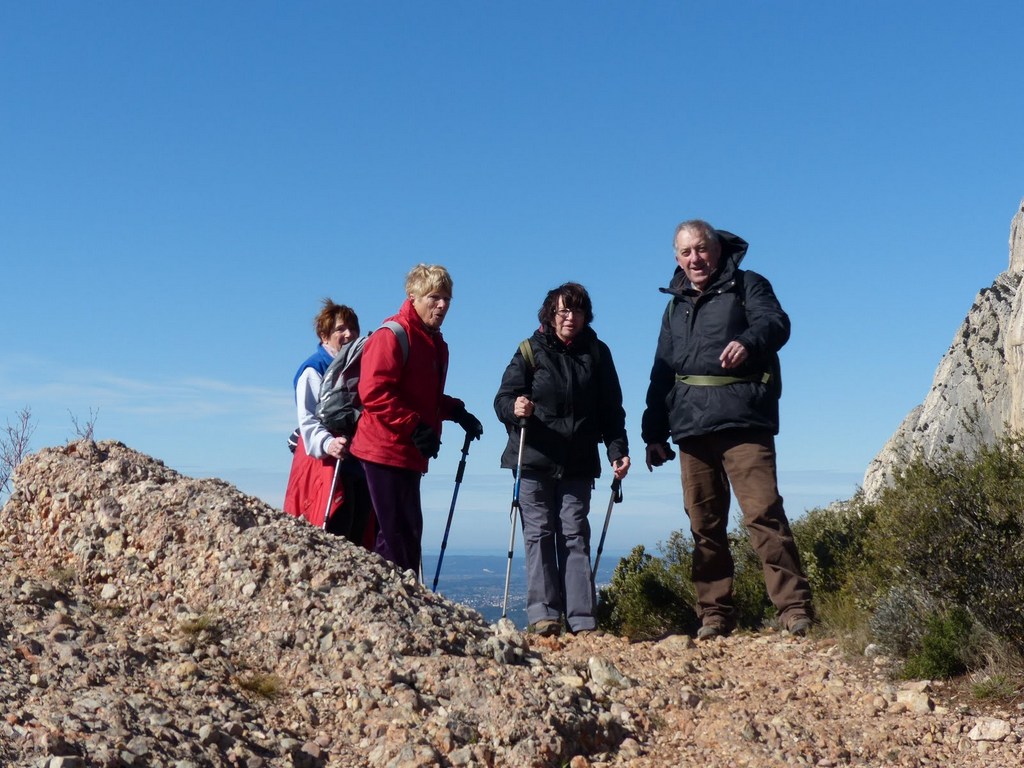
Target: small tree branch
<point>14,446</point>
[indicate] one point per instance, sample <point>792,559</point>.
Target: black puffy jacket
<point>738,305</point>
<point>577,404</point>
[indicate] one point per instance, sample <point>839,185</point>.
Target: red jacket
<point>308,485</point>
<point>398,397</point>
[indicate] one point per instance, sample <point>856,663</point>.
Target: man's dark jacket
<point>577,404</point>
<point>738,305</point>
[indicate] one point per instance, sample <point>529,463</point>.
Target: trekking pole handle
<point>462,462</point>
<point>617,490</point>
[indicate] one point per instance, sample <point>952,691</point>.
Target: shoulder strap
<point>403,338</point>
<point>526,350</point>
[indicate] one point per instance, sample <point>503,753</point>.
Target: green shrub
<point>650,596</point>
<point>900,619</point>
<point>831,541</point>
<point>263,684</point>
<point>201,627</point>
<point>646,598</point>
<point>753,608</point>
<point>946,647</point>
<point>841,614</point>
<point>997,686</point>
<point>953,530</point>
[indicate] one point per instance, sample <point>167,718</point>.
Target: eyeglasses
<point>566,313</point>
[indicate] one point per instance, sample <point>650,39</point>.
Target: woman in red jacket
<point>403,406</point>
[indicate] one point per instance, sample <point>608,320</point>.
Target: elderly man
<point>715,391</point>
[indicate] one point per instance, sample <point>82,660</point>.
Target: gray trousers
<point>556,533</point>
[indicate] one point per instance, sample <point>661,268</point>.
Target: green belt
<point>720,381</point>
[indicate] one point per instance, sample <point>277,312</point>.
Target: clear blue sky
<point>182,182</point>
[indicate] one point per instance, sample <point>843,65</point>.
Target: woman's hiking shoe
<point>548,628</point>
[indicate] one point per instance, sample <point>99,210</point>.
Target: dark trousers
<point>395,493</point>
<point>356,511</point>
<point>746,460</point>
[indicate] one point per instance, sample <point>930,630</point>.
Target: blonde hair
<point>428,278</point>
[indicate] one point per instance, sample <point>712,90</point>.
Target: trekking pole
<point>451,509</point>
<point>512,515</point>
<point>615,499</point>
<point>330,495</point>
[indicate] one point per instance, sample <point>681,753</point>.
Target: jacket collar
<point>411,316</point>
<point>583,340</point>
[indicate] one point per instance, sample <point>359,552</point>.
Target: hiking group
<point>714,394</point>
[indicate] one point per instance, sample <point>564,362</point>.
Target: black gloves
<point>656,461</point>
<point>468,422</point>
<point>426,440</point>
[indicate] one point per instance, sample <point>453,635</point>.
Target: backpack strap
<point>526,350</point>
<point>403,338</point>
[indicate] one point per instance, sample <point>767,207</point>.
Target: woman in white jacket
<point>318,451</point>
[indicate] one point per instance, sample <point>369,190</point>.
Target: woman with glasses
<point>562,386</point>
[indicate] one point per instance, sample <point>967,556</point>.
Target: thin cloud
<point>187,398</point>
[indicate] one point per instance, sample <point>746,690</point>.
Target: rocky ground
<point>150,619</point>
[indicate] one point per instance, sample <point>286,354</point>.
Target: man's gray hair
<point>699,226</point>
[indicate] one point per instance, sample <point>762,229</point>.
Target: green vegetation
<point>932,571</point>
<point>63,575</point>
<point>263,684</point>
<point>195,626</point>
<point>945,646</point>
<point>996,686</point>
<point>649,597</point>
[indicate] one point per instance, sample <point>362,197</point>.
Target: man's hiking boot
<point>711,631</point>
<point>800,627</point>
<point>548,628</point>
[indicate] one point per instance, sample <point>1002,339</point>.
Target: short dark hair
<point>574,296</point>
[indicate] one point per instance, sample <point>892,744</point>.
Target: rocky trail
<point>150,619</point>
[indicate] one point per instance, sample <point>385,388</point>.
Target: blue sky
<point>183,182</point>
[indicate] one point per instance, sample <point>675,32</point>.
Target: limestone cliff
<point>977,393</point>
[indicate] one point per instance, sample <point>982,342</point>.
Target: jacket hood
<point>734,248</point>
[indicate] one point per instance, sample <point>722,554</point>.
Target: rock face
<point>978,389</point>
<point>149,619</point>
